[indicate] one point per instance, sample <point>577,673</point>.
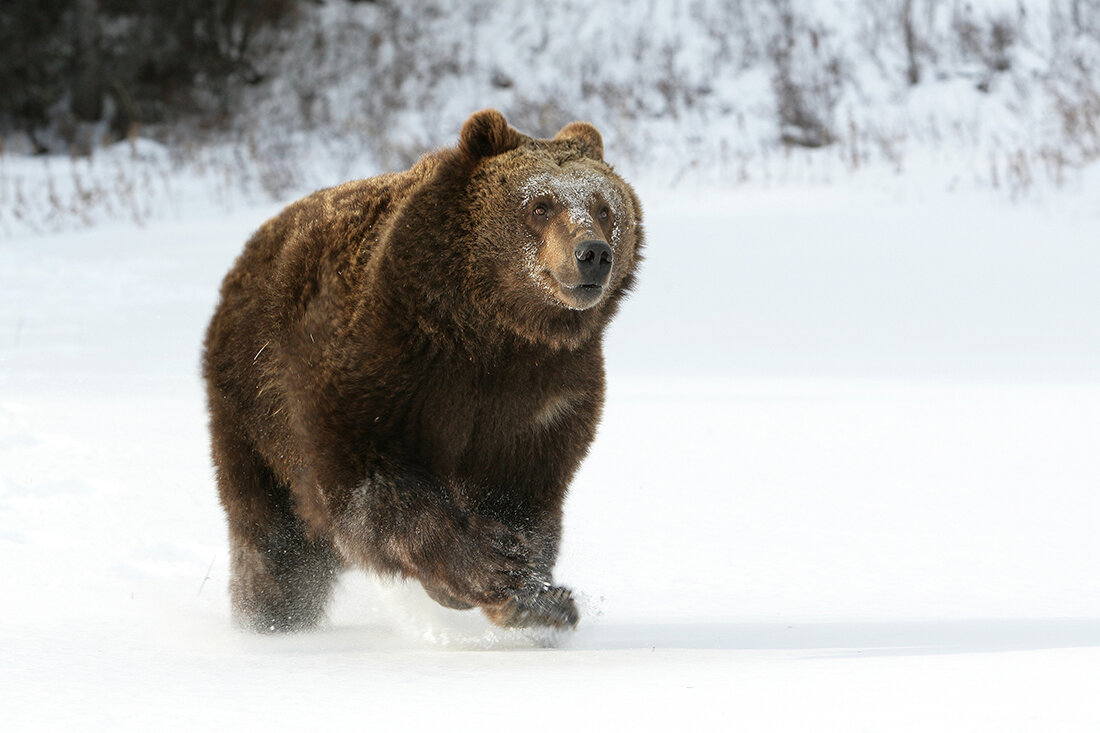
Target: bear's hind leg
<point>280,578</point>
<point>281,581</point>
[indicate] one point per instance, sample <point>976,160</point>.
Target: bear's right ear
<point>486,134</point>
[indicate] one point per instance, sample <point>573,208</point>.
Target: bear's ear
<point>487,133</point>
<point>586,134</point>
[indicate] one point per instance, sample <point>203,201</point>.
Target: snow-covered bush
<point>807,77</point>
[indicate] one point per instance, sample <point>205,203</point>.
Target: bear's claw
<point>552,607</point>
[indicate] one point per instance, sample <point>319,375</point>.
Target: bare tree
<point>87,88</point>
<point>912,72</point>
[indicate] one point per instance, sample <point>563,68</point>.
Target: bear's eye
<point>540,211</point>
<point>604,213</point>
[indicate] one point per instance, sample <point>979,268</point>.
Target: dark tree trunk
<point>87,99</point>
<point>913,70</point>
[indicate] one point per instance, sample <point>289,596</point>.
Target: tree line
<point>126,63</point>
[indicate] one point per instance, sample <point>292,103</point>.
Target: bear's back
<point>321,241</point>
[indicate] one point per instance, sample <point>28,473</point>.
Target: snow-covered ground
<point>846,480</point>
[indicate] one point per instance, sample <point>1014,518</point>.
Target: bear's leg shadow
<point>281,579</point>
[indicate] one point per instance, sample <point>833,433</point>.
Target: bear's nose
<point>594,259</point>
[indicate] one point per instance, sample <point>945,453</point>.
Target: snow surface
<point>846,480</point>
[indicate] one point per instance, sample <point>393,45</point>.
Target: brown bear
<point>404,372</point>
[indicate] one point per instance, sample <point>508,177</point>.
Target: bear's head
<point>557,232</point>
<point>538,237</point>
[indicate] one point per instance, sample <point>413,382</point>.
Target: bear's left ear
<point>486,134</point>
<point>586,134</point>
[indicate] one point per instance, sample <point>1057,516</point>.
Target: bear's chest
<point>507,431</point>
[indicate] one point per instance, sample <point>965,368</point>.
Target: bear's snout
<point>594,260</point>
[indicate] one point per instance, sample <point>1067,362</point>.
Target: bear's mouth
<point>580,297</point>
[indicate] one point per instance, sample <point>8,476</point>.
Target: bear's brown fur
<point>404,372</point>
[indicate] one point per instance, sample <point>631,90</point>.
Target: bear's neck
<point>434,310</point>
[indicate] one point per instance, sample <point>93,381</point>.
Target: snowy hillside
<point>1001,95</point>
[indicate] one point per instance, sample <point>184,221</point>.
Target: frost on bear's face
<point>576,221</point>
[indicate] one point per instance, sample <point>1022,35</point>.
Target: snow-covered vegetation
<point>999,94</point>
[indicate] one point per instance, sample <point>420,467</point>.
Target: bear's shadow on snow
<point>846,639</point>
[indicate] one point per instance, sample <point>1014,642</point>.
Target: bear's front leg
<point>410,526</point>
<point>538,603</point>
<point>534,601</point>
